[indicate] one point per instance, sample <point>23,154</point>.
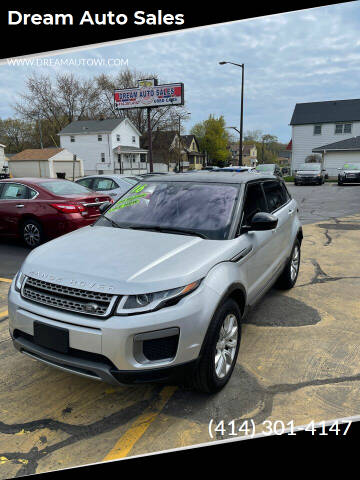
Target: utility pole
<point>74,162</point>
<point>150,140</point>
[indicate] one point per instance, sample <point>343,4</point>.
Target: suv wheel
<point>32,233</point>
<point>220,350</point>
<point>290,273</point>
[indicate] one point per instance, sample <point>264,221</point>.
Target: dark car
<point>37,209</point>
<point>271,168</point>
<point>309,174</point>
<point>349,173</point>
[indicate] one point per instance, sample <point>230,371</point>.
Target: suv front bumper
<point>118,349</point>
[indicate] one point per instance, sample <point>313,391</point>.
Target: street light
<point>242,107</point>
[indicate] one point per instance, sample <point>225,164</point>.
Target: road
<point>299,360</point>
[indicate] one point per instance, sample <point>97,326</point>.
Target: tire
<point>296,184</point>
<point>289,276</point>
<point>32,233</point>
<point>208,377</point>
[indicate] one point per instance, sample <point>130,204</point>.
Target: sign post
<point>148,94</point>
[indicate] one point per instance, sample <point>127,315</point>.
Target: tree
<point>213,139</point>
<point>16,135</point>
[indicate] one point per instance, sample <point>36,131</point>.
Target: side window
<point>254,202</point>
<point>32,193</point>
<point>14,191</point>
<point>275,195</point>
<point>86,182</point>
<point>104,184</point>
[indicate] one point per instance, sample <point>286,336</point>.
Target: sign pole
<point>74,161</point>
<point>150,140</point>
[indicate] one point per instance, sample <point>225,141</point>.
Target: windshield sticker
<point>127,202</point>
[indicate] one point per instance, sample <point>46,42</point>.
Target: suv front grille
<point>97,304</point>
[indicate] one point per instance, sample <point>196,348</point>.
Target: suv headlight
<point>146,302</point>
<point>19,280</point>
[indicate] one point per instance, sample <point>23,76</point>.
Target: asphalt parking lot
<point>299,361</point>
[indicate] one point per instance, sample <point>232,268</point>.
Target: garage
<point>46,163</point>
<point>335,155</point>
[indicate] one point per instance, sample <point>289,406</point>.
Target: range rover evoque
<point>157,288</point>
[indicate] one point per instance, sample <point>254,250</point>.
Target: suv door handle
<point>20,206</point>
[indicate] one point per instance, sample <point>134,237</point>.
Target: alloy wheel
<point>295,260</point>
<point>31,234</point>
<point>226,346</point>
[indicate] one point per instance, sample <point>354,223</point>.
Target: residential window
<point>72,138</point>
<point>343,128</point>
<point>317,129</point>
<point>133,139</point>
<point>99,138</point>
<point>103,157</point>
<point>118,138</point>
<point>142,157</point>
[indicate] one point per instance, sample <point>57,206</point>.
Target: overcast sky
<point>310,55</point>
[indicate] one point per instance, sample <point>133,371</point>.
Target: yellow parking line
<point>124,445</point>
<point>3,314</point>
<point>7,280</point>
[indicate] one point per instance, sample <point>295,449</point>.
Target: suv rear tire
<point>32,233</point>
<point>291,271</point>
<point>220,350</point>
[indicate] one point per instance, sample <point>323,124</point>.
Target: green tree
<point>213,139</point>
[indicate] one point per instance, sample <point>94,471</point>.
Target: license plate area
<point>54,338</point>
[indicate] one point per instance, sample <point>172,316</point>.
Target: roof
<point>211,177</point>
<point>349,144</point>
<point>36,154</point>
<point>113,176</point>
<point>187,139</point>
<point>326,112</point>
<point>126,149</point>
<point>91,126</point>
<point>160,139</point>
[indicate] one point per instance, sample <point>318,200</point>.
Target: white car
<point>114,185</point>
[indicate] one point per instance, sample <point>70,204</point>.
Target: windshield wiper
<point>157,228</point>
<point>114,224</point>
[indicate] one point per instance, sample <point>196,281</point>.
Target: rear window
<point>65,187</point>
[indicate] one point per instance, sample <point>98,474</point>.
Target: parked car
<point>239,169</point>
<point>114,185</point>
<point>39,209</point>
<point>349,173</point>
<point>271,168</point>
<point>157,288</point>
<point>309,173</point>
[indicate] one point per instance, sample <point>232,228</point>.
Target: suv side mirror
<point>261,221</point>
<point>104,207</point>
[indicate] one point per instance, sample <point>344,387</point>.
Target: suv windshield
<point>203,209</point>
<point>351,166</point>
<point>316,167</point>
<point>65,187</point>
<point>266,167</point>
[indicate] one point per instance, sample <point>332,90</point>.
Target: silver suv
<point>156,289</point>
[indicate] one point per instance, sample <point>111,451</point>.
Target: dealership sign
<point>149,96</point>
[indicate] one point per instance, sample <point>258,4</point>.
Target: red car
<point>37,209</point>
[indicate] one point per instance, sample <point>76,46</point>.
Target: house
<point>319,124</point>
<point>191,152</point>
<point>3,160</point>
<point>46,163</point>
<point>335,155</point>
<point>106,146</point>
<point>169,150</point>
<point>284,158</point>
<point>249,154</point>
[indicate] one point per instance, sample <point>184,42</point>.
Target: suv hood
<point>125,261</point>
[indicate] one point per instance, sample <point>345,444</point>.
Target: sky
<point>305,56</point>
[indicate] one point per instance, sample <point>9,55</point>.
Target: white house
<point>106,146</point>
<point>47,163</point>
<point>318,124</point>
<point>3,161</point>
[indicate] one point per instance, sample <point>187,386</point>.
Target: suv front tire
<point>220,350</point>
